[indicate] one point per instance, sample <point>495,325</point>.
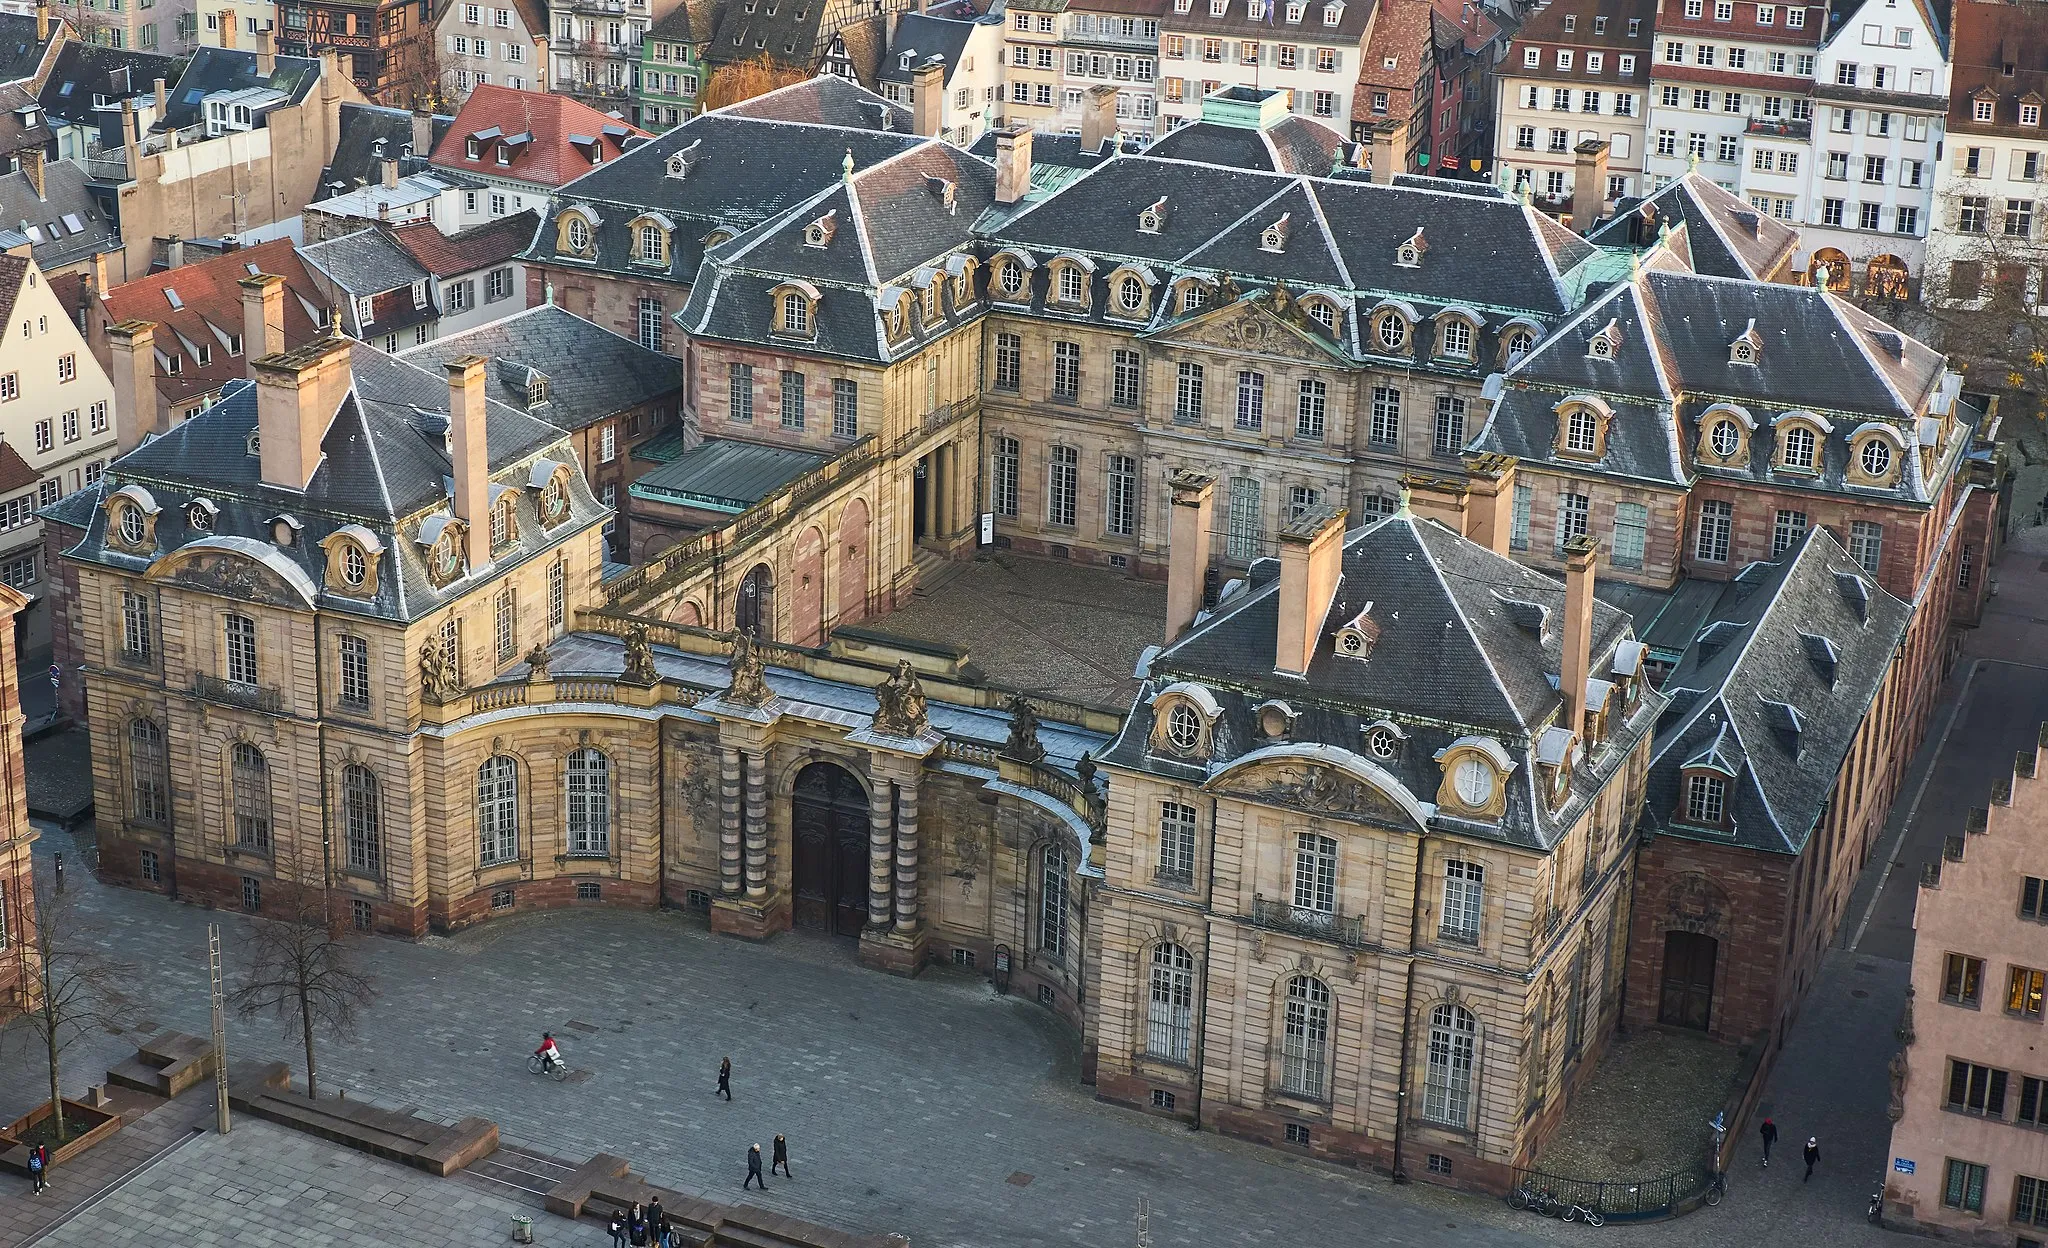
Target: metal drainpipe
<point>1408,1012</point>
<point>1208,938</point>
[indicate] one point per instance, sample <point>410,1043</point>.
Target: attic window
<point>903,62</point>
<point>1605,343</point>
<point>1154,217</point>
<point>1357,639</point>
<point>254,445</point>
<point>1747,346</point>
<point>1855,593</point>
<point>1323,313</point>
<point>1409,254</point>
<point>1706,800</point>
<point>171,297</point>
<point>1274,237</point>
<point>471,149</point>
<point>819,233</point>
<point>1785,724</point>
<point>536,389</point>
<point>1820,652</point>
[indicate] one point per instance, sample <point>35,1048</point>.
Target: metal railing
<point>234,693</point>
<point>1335,927</point>
<point>1625,1200</point>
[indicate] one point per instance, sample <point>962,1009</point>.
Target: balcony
<point>1338,929</point>
<point>1775,128</point>
<point>234,693</point>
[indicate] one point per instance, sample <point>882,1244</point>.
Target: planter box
<point>88,1127</point>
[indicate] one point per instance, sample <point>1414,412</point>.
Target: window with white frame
<point>1177,841</point>
<point>1705,799</point>
<point>1169,1015</point>
<point>1464,900</point>
<point>1315,874</point>
<point>1120,509</point>
<point>497,810</point>
<point>1311,408</point>
<point>1052,902</point>
<point>1004,474</point>
<point>1251,400</point>
<point>1305,1039</point>
<point>590,803</point>
<point>1447,1077</point>
<point>1063,469</point>
<point>240,631</point>
<point>1717,523</point>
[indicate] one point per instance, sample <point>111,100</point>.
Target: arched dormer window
<point>1703,798</point>
<point>1010,277</point>
<point>1457,332</point>
<point>1605,343</point>
<point>1153,218</point>
<point>1193,295</point>
<point>1130,293</point>
<point>354,555</point>
<point>1724,434</point>
<point>131,519</point>
<point>1070,282</point>
<point>1582,427</point>
<point>552,480</point>
<point>1323,312</point>
<point>1876,453</point>
<point>1799,435</point>
<point>1474,773</point>
<point>796,310</point>
<point>576,234</point>
<point>1409,254</point>
<point>1517,339</point>
<point>650,243</point>
<point>1184,716</point>
<point>1274,237</point>
<point>1748,347</point>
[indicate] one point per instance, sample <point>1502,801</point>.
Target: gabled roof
<point>85,70</point>
<point>592,373</point>
<point>21,50</point>
<point>1758,706</point>
<point>23,123</point>
<point>367,262</point>
<point>371,133</point>
<point>926,39</point>
<point>1290,145</point>
<point>208,311</point>
<point>15,472</point>
<point>549,139</point>
<point>213,70</point>
<point>64,223</point>
<point>1987,38</point>
<point>1726,236</point>
<point>467,251</point>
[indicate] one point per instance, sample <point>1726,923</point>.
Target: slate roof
<point>466,251</point>
<point>926,39</point>
<point>384,465</point>
<point>1469,645</point>
<point>1726,237</point>
<point>371,133</point>
<point>17,104</point>
<point>790,33</point>
<point>64,224</point>
<point>1986,38</point>
<point>724,474</point>
<point>208,312</point>
<point>560,135</point>
<point>367,262</point>
<point>592,372</point>
<point>231,69</point>
<point>1789,634</point>
<point>21,51</point>
<point>1293,145</point>
<point>83,70</point>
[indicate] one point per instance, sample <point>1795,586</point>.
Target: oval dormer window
<point>1724,438</point>
<point>554,500</point>
<point>1876,458</point>
<point>1183,728</point>
<point>354,568</point>
<point>1474,782</point>
<point>133,526</point>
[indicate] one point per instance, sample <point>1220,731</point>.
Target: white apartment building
<point>967,56</point>
<point>1576,70</point>
<point>1031,43</point>
<point>1730,76</point>
<point>1310,49</point>
<point>1112,43</point>
<point>1880,100</point>
<point>484,43</point>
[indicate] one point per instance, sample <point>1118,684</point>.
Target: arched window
<point>590,804</point>
<point>1183,727</point>
<point>497,810</point>
<point>1052,903</point>
<point>1582,431</point>
<point>149,773</point>
<point>250,777</point>
<point>1393,332</point>
<point>1193,297</point>
<point>1457,339</point>
<point>651,244</point>
<point>1724,437</point>
<point>1169,1017</point>
<point>578,235</point>
<point>1323,314</point>
<point>134,525</point>
<point>1799,447</point>
<point>1876,458</point>
<point>796,314</point>
<point>1010,277</point>
<point>1130,294</point>
<point>1447,1085</point>
<point>1072,283</point>
<point>362,823</point>
<point>1520,343</point>
<point>354,567</point>
<point>1305,1043</point>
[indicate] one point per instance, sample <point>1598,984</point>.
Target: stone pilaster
<point>881,839</point>
<point>906,858</point>
<point>756,827</point>
<point>729,835</point>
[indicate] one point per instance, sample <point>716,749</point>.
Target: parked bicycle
<point>1876,1211</point>
<point>1534,1199</point>
<point>1592,1216</point>
<point>1717,1187</point>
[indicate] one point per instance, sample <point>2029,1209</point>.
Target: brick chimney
<point>469,455</point>
<point>227,28</point>
<point>1576,662</point>
<point>928,98</point>
<point>1098,117</point>
<point>1589,184</point>
<point>1187,548</point>
<point>262,315</point>
<point>1311,557</point>
<point>32,165</point>
<point>387,174</point>
<point>135,399</point>
<point>1013,163</point>
<point>1438,498</point>
<point>266,53</point>
<point>1490,500</point>
<point>42,22</point>
<point>297,393</point>
<point>1389,150</point>
<point>423,131</point>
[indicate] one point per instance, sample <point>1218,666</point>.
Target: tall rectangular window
<point>1251,400</point>
<point>507,621</point>
<point>1062,475</point>
<point>1450,424</point>
<point>138,638</point>
<point>558,579</point>
<point>1311,410</point>
<point>1187,394</point>
<point>1003,478</point>
<point>1009,361</point>
<point>845,407</point>
<point>2023,993</point>
<point>1866,544</point>
<point>1464,898</point>
<point>1706,799</point>
<point>1302,499</point>
<point>1786,530</point>
<point>652,322</point>
<point>1066,370</point>
<point>1247,529</point>
<point>740,396</point>
<point>1572,513</point>
<point>355,671</point>
<point>1631,532</point>
<point>2029,1200</point>
<point>241,650</point>
<point>1717,522</point>
<point>1315,873</point>
<point>1177,841</point>
<point>1974,1089</point>
<point>1386,414</point>
<point>1962,979</point>
<point>1121,519</point>
<point>1518,524</point>
<point>792,400</point>
<point>1124,368</point>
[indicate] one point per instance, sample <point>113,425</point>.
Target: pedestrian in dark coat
<point>754,1168</point>
<point>1770,1133</point>
<point>725,1078</point>
<point>1812,1155</point>
<point>617,1227</point>
<point>636,1227</point>
<point>39,1167</point>
<point>657,1223</point>
<point>781,1161</point>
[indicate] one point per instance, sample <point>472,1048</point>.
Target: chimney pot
<point>1187,547</point>
<point>1589,184</point>
<point>1438,498</point>
<point>928,98</point>
<point>135,397</point>
<point>1098,118</point>
<point>1013,164</point>
<point>266,52</point>
<point>1389,151</point>
<point>262,316</point>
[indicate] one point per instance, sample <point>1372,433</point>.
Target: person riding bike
<point>550,1056</point>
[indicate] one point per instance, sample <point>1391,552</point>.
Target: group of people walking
<point>647,1226</point>
<point>1769,1132</point>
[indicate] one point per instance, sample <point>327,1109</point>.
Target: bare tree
<point>302,970</point>
<point>76,983</point>
<point>1975,300</point>
<point>743,80</point>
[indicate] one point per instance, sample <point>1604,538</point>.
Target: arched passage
<point>685,612</point>
<point>829,850</point>
<point>853,563</point>
<point>1831,266</point>
<point>1884,277</point>
<point>753,611</point>
<point>807,595</point>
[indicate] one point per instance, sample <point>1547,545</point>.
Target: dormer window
<point>1322,312</point>
<point>1874,460</point>
<point>653,244</point>
<point>1582,434</point>
<point>1520,343</point>
<point>819,233</point>
<point>1153,219</point>
<point>575,236</point>
<point>796,305</point>
<point>199,516</point>
<point>503,525</point>
<point>1010,278</point>
<point>1194,296</point>
<point>1454,339</point>
<point>1747,347</point>
<point>1706,799</point>
<point>1183,728</point>
<point>1130,294</point>
<point>472,149</point>
<point>1274,236</point>
<point>419,294</point>
<point>2030,114</point>
<point>1582,426</point>
<point>1073,284</point>
<point>1391,329</point>
<point>1409,254</point>
<point>355,568</point>
<point>1723,437</point>
<point>536,389</point>
<point>903,62</point>
<point>1605,344</point>
<point>1332,14</point>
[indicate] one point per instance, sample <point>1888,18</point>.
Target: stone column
<point>757,823</point>
<point>926,495</point>
<point>942,492</point>
<point>906,857</point>
<point>729,822</point>
<point>881,838</point>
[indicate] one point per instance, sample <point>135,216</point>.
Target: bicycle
<point>1592,1216</point>
<point>1533,1199</point>
<point>1717,1187</point>
<point>558,1071</point>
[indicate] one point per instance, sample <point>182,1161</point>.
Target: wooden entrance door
<point>829,828</point>
<point>1688,989</point>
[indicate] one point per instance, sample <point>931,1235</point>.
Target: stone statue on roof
<point>899,703</point>
<point>1023,745</point>
<point>639,658</point>
<point>749,683</point>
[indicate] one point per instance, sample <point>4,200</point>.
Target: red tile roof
<point>209,298</point>
<point>549,158</point>
<point>1987,38</point>
<point>446,255</point>
<point>15,474</point>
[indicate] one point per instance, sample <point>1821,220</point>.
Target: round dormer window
<point>1011,278</point>
<point>554,500</point>
<point>1381,743</point>
<point>1274,721</point>
<point>198,519</point>
<point>1393,332</point>
<point>1130,294</point>
<point>578,234</point>
<point>1724,438</point>
<point>1876,458</point>
<point>1183,728</point>
<point>133,526</point>
<point>1473,781</point>
<point>354,568</point>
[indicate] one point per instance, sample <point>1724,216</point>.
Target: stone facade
<point>20,964</point>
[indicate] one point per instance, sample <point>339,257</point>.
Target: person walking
<point>657,1223</point>
<point>617,1227</point>
<point>636,1226</point>
<point>781,1161</point>
<point>1812,1155</point>
<point>1770,1133</point>
<point>754,1168</point>
<point>725,1079</point>
<point>39,1168</point>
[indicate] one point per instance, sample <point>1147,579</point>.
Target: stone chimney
<point>135,400</point>
<point>227,28</point>
<point>1589,184</point>
<point>1490,501</point>
<point>423,131</point>
<point>262,315</point>
<point>297,393</point>
<point>1311,558</point>
<point>387,174</point>
<point>1187,546</point>
<point>469,456</point>
<point>42,22</point>
<point>1013,163</point>
<point>1389,151</point>
<point>174,252</point>
<point>1437,498</point>
<point>32,166</point>
<point>96,276</point>
<point>928,99</point>
<point>1576,663</point>
<point>266,53</point>
<point>163,98</point>
<point>1098,117</point>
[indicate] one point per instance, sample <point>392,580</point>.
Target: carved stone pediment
<point>1319,790</point>
<point>1694,903</point>
<point>232,576</point>
<point>1249,328</point>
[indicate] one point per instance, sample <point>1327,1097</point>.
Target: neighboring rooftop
<point>1725,236</point>
<point>1998,54</point>
<point>21,47</point>
<point>723,474</point>
<point>1248,128</point>
<point>466,251</point>
<point>366,262</point>
<point>213,70</point>
<point>62,220</point>
<point>86,71</point>
<point>588,372</point>
<point>372,134</point>
<point>526,136</point>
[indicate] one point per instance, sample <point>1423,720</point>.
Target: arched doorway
<point>829,835</point>
<point>753,613</point>
<point>807,595</point>
<point>1687,999</point>
<point>853,565</point>
<point>1884,277</point>
<point>1831,266</point>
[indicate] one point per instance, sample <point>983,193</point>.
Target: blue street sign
<point>1902,1165</point>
